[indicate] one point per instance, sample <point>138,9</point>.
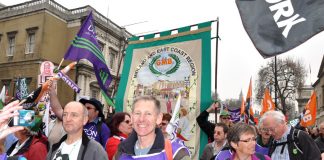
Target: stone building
<point>319,89</point>
<point>303,95</point>
<point>41,30</point>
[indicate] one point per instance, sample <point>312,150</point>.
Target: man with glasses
<point>225,117</point>
<point>95,128</point>
<point>209,127</point>
<point>220,143</point>
<point>264,140</point>
<point>289,143</point>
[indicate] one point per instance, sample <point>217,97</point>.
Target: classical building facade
<point>319,89</point>
<point>303,95</point>
<point>41,30</point>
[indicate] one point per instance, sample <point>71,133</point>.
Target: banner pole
<point>216,64</point>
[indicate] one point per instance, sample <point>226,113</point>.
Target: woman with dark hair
<point>242,140</point>
<point>120,127</point>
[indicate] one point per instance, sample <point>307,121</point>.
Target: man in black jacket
<point>320,140</point>
<point>204,124</point>
<point>209,127</point>
<point>289,143</point>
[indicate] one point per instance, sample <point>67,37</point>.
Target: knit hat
<point>95,103</point>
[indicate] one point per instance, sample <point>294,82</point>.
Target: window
<point>11,43</point>
<point>30,45</point>
<point>30,42</point>
<point>101,46</point>
<point>112,58</point>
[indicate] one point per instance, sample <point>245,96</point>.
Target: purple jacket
<point>91,130</point>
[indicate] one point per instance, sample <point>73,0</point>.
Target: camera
<point>26,118</point>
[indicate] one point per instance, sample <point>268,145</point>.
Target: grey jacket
<point>90,149</point>
<point>208,152</point>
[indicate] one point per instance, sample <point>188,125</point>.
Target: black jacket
<point>305,143</point>
<point>320,143</point>
<point>205,125</point>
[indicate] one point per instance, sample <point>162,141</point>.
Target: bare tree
<point>290,76</point>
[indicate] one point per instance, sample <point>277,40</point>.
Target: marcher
<point>204,124</point>
<point>121,127</point>
<point>320,139</point>
<point>55,126</point>
<point>225,117</point>
<point>76,145</point>
<point>165,121</point>
<point>242,140</point>
<point>315,132</point>
<point>289,143</point>
<point>264,140</point>
<point>95,128</point>
<point>211,150</point>
<point>8,112</point>
<point>31,143</point>
<point>147,141</point>
<point>207,126</point>
<point>183,131</point>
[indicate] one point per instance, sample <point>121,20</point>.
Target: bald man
<point>76,144</point>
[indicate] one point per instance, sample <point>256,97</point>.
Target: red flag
<point>309,116</point>
<point>267,103</point>
<point>248,105</point>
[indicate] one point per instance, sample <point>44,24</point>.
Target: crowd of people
<point>271,138</point>
<point>80,131</point>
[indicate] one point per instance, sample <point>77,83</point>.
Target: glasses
<point>225,117</point>
<point>267,129</point>
<point>253,139</point>
<point>127,121</point>
<point>163,124</point>
<point>218,133</point>
<point>88,108</point>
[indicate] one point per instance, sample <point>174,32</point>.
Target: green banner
<point>166,66</point>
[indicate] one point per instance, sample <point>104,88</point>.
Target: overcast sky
<point>238,58</point>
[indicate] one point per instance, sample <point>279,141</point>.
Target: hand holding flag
<point>37,94</point>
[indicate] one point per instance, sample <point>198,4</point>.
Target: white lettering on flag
<point>285,9</point>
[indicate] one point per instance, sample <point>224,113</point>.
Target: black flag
<point>276,26</point>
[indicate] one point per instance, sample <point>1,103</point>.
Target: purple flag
<point>85,46</point>
<point>235,114</point>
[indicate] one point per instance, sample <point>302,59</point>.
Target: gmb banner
<point>168,65</point>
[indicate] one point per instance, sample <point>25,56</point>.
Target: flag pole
<point>216,64</point>
<point>276,81</point>
<point>58,68</point>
